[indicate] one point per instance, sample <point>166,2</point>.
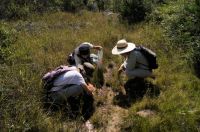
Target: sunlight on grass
<point>45,41</point>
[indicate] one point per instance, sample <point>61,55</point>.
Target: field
<point>43,43</point>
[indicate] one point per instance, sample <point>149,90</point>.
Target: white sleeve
<point>76,58</point>
<point>80,80</point>
<point>78,61</point>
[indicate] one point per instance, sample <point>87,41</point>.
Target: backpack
<point>70,59</point>
<point>150,56</point>
<point>49,78</point>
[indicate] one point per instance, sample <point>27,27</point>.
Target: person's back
<point>138,59</point>
<point>136,65</point>
<point>70,83</point>
<point>70,88</point>
<point>82,54</point>
<point>66,85</point>
<point>68,78</point>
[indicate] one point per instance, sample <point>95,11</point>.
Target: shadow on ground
<point>75,108</point>
<point>135,90</point>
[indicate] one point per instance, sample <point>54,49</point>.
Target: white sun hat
<point>123,46</point>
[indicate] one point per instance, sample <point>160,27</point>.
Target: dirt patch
<point>146,113</point>
<point>116,119</point>
<point>107,117</point>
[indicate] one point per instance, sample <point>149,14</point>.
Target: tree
<point>133,10</point>
<point>73,5</point>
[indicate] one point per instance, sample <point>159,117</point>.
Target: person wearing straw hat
<point>135,64</point>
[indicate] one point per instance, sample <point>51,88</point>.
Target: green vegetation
<point>7,38</point>
<point>24,8</point>
<point>43,44</point>
<point>180,19</point>
<point>29,48</point>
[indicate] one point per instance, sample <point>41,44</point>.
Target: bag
<point>48,78</point>
<point>70,59</point>
<point>150,56</point>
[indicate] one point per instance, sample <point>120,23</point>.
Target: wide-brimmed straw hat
<point>123,46</point>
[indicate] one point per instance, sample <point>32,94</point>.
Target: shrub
<point>7,38</point>
<point>74,5</point>
<point>23,8</point>
<point>181,21</point>
<point>186,31</point>
<point>135,10</point>
<point>117,5</point>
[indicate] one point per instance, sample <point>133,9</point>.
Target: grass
<point>45,41</point>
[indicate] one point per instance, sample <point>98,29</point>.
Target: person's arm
<point>88,88</point>
<point>97,47</point>
<point>77,59</point>
<point>78,62</point>
<point>121,68</point>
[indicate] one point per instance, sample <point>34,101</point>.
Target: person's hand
<point>91,89</point>
<point>121,68</point>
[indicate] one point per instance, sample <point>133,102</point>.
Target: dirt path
<point>116,119</point>
<point>109,116</point>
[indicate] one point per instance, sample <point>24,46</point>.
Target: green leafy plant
<point>7,38</point>
<point>133,10</point>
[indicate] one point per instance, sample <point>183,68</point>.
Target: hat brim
<point>130,47</point>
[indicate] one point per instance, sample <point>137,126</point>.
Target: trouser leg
<point>62,95</point>
<point>88,106</point>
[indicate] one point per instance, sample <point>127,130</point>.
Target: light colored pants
<point>62,94</point>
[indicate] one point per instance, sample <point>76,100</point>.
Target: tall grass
<point>43,43</point>
<point>177,107</point>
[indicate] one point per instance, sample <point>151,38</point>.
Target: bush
<point>181,21</point>
<point>117,5</point>
<point>22,8</point>
<point>7,38</point>
<point>186,31</point>
<point>133,10</point>
<point>74,5</point>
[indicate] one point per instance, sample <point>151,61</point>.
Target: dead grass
<point>45,41</point>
